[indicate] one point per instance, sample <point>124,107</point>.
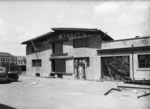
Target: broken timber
<point>143,95</point>
<point>34,49</point>
<point>133,86</point>
<point>111,90</point>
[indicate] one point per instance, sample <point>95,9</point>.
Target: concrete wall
<point>126,43</point>
<point>69,66</point>
<point>93,71</point>
<point>44,55</point>
<point>140,73</point>
<point>94,45</point>
<point>68,48</point>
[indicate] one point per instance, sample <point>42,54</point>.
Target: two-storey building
<point>55,52</point>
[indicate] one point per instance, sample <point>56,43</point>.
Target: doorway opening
<point>59,65</point>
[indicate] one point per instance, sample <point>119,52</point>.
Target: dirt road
<point>42,93</point>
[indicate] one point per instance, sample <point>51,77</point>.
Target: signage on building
<point>72,35</point>
<point>67,36</point>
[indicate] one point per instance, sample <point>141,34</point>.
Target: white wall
<point>45,69</point>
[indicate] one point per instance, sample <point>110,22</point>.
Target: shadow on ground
<point>8,82</point>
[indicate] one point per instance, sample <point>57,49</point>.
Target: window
<point>36,63</point>
<point>18,61</point>
<point>144,61</point>
<point>24,61</point>
<point>81,43</point>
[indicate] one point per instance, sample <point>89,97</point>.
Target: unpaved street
<point>43,93</point>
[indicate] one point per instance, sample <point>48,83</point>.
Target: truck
<point>8,75</point>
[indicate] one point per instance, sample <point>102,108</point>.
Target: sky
<point>23,20</point>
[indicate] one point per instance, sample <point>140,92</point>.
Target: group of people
<point>80,69</point>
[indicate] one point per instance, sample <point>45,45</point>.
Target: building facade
<point>134,57</point>
<point>13,63</point>
<point>6,58</point>
<point>56,52</point>
<point>21,63</point>
<point>21,60</point>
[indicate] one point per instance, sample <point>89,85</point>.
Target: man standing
<point>80,69</point>
<point>84,66</point>
<point>76,68</point>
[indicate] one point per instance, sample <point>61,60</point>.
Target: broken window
<point>115,68</point>
<point>37,63</point>
<point>144,61</point>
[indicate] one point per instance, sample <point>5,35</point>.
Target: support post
<point>132,64</point>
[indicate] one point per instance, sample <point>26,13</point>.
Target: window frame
<point>82,42</point>
<point>36,62</point>
<point>145,63</point>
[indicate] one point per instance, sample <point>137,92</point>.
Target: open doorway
<point>115,68</point>
<point>59,65</point>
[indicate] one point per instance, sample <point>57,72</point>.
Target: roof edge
<point>126,39</point>
<point>36,38</point>
<point>73,29</point>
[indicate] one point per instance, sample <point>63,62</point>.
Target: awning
<point>61,57</point>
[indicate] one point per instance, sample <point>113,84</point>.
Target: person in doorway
<point>76,66</point>
<point>84,69</point>
<point>80,69</point>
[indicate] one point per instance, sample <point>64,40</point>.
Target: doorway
<point>58,65</point>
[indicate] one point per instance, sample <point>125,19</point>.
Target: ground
<point>53,93</point>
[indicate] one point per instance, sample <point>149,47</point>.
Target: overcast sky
<point>23,20</point>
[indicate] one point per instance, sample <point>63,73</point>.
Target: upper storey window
<point>84,42</point>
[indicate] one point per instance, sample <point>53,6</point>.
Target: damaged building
<point>126,58</point>
<point>54,53</point>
